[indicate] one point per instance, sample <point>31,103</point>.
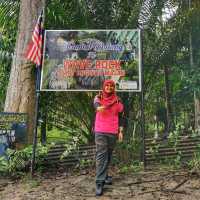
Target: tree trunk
<point>168,100</point>
<point>197,112</point>
<point>196,98</point>
<point>20,95</point>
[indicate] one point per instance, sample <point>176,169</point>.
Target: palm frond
<point>9,10</point>
<point>145,13</point>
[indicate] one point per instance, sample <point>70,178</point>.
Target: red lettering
<point>98,64</point>
<point>77,64</point>
<point>108,64</point>
<point>116,64</point>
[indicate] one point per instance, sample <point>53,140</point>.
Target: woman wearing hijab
<point>107,129</point>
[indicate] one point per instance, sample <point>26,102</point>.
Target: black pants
<point>105,144</point>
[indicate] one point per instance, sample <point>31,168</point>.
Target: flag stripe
<point>34,51</point>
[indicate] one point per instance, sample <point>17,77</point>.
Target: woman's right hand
<point>120,134</point>
<point>100,108</point>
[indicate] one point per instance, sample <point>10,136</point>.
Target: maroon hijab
<point>108,99</point>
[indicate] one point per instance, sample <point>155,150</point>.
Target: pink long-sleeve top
<point>107,121</point>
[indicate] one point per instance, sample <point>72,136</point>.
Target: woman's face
<point>109,88</point>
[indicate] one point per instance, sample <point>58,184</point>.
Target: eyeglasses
<point>109,85</point>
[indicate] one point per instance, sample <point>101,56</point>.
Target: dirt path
<point>174,185</point>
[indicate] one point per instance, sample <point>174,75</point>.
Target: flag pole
<point>142,102</point>
<point>37,93</point>
<point>35,121</point>
<point>144,16</point>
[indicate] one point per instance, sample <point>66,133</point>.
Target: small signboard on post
<point>13,127</point>
<point>80,60</point>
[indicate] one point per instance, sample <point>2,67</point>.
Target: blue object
<point>3,145</point>
<point>20,132</point>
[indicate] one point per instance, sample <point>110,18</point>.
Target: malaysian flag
<point>34,50</point>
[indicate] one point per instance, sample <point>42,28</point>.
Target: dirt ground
<point>145,185</point>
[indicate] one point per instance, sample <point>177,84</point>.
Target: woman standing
<point>107,129</point>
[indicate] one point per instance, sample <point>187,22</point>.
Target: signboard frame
<point>124,83</point>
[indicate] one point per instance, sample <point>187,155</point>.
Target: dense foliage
<point>166,56</point>
<point>19,161</point>
<point>8,29</point>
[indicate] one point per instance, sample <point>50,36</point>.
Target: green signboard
<point>14,126</point>
<point>80,60</point>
